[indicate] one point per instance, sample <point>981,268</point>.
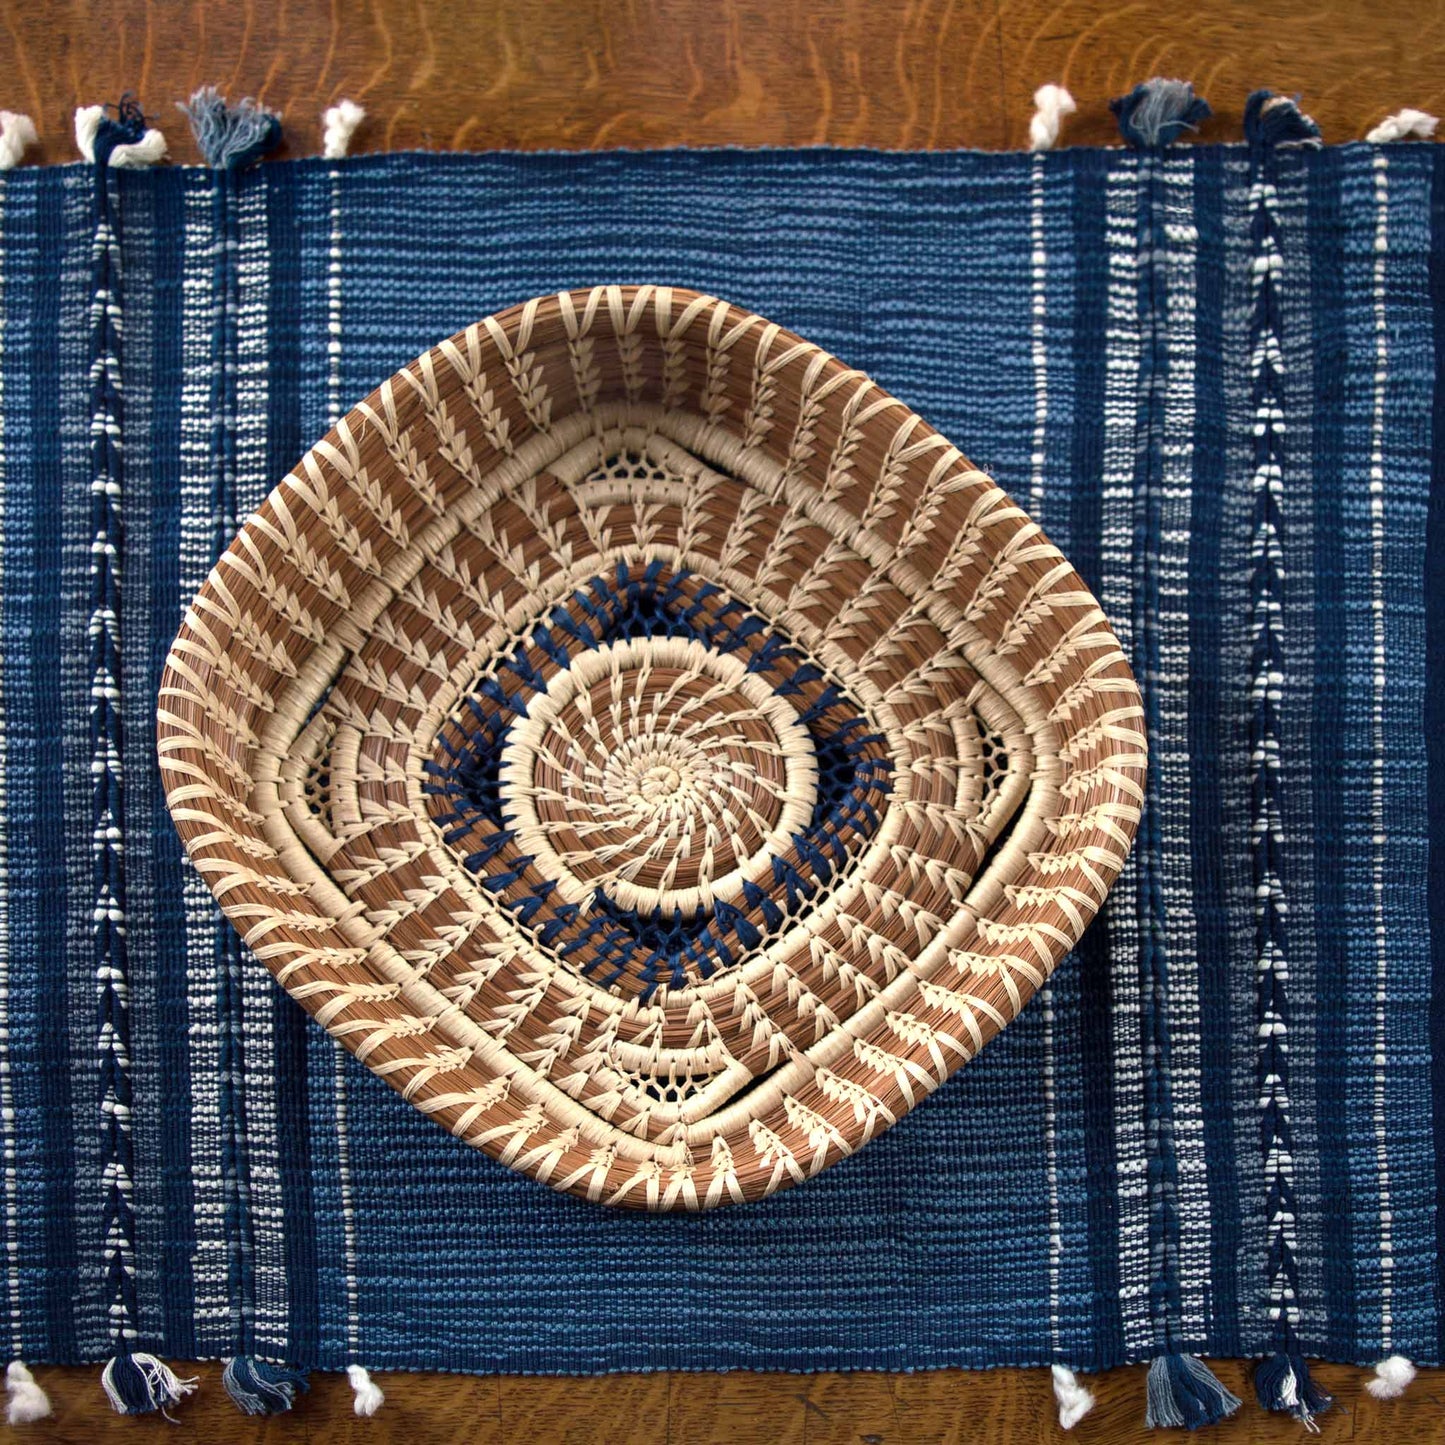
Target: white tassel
<point>17,135</point>
<point>368,1393</point>
<point>341,121</point>
<point>28,1402</point>
<point>149,150</point>
<point>1075,1400</point>
<point>87,122</point>
<point>1392,1378</point>
<point>1051,104</point>
<point>1403,125</point>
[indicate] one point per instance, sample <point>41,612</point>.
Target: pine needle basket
<point>650,747</point>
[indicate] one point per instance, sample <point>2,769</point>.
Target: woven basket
<point>650,747</point>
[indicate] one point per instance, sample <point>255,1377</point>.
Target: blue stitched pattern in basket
<point>620,936</point>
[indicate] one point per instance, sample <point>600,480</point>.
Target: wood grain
<point>535,74</point>
<point>737,1409</point>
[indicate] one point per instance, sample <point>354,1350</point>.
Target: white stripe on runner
<point>1038,314</point>
<point>1122,359</point>
<point>212,1310</point>
<point>1377,731</point>
<point>1171,749</point>
<point>7,1088</point>
<point>261,1143</point>
<point>1038,263</point>
<point>343,1138</point>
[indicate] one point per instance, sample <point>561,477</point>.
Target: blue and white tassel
<point>258,1387</point>
<point>1183,1392</point>
<point>230,137</point>
<point>1157,112</point>
<point>95,132</point>
<point>136,1384</point>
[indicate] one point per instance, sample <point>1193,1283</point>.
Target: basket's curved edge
<point>1026,604</point>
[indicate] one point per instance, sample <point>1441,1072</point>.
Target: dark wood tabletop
<point>535,74</point>
<point>584,74</point>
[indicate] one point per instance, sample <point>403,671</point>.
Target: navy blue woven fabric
<point>1093,1188</point>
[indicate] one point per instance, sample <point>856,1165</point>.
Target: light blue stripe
<point>1233,762</point>
<point>1054,512</point>
<point>1358,205</point>
<point>1407,1014</point>
<point>213,1305</point>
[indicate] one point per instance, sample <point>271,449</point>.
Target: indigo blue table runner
<point>1212,374</point>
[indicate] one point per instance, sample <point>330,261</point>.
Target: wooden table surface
<point>582,74</point>
<point>540,74</point>
<point>935,1408</point>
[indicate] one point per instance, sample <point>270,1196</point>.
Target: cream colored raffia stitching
<point>650,747</point>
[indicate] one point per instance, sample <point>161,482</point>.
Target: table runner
<point>1209,372</point>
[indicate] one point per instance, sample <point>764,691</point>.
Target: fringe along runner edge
<point>1211,370</point>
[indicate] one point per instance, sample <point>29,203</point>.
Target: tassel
<point>1074,1400</point>
<point>136,1384</point>
<point>230,137</point>
<point>1403,125</point>
<point>1051,104</point>
<point>340,122</point>
<point>124,142</point>
<point>17,135</point>
<point>28,1402</point>
<point>261,1388</point>
<point>1158,112</point>
<point>1277,120</point>
<point>1392,1378</point>
<point>1183,1391</point>
<point>1282,1382</point>
<point>368,1394</point>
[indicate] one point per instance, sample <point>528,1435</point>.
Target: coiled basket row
<point>650,747</point>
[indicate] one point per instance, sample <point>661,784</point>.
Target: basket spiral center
<point>660,771</point>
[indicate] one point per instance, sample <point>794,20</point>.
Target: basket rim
<point>224,739</point>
